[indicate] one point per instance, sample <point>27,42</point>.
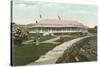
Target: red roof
<point>58,23</point>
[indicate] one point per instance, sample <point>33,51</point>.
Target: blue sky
<point>26,12</point>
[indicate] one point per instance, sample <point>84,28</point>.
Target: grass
<point>68,38</point>
<point>24,54</point>
<point>43,38</point>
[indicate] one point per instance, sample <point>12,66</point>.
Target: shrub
<point>18,34</point>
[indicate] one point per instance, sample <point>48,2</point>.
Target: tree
<point>18,34</point>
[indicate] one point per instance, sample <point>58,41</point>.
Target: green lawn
<point>24,54</point>
<point>68,38</point>
<point>43,38</point>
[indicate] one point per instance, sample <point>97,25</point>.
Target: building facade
<point>53,26</point>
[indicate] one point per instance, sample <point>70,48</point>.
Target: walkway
<point>28,42</point>
<point>54,39</point>
<point>51,40</point>
<point>52,56</point>
<point>47,41</point>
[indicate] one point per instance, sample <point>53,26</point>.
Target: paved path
<point>28,42</point>
<point>52,56</point>
<point>47,41</point>
<point>54,39</point>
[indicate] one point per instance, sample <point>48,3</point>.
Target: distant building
<point>49,26</point>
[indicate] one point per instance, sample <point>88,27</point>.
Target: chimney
<point>36,21</point>
<point>59,17</point>
<point>40,16</point>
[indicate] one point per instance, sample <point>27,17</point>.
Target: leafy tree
<point>18,34</point>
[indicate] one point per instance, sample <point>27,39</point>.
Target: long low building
<point>49,26</point>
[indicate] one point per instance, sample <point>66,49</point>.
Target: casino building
<point>51,26</point>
